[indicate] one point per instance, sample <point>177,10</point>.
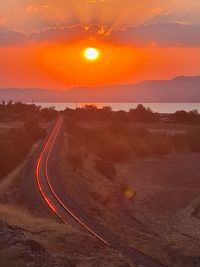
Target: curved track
<point>65,208</point>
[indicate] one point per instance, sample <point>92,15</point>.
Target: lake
<point>156,107</point>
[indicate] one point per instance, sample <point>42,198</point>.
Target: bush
<point>142,114</point>
<point>145,143</point>
<point>186,117</point>
<point>89,113</point>
<point>113,148</point>
<point>115,141</point>
<point>48,114</point>
<point>34,130</point>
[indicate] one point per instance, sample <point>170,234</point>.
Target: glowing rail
<point>49,145</point>
<point>38,172</point>
<point>62,211</point>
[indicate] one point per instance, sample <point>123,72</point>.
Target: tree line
<point>138,114</point>
<point>17,111</point>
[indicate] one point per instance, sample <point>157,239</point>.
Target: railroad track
<point>63,208</point>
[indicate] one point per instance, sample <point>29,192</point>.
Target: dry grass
<point>160,126</point>
<point>9,179</point>
<point>169,127</point>
<point>59,239</point>
<point>5,126</point>
<point>12,177</point>
<point>44,231</point>
<point>48,232</point>
<point>21,218</point>
<point>166,194</point>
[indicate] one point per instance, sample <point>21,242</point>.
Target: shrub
<point>113,148</point>
<point>142,114</point>
<point>34,130</point>
<point>186,117</point>
<point>145,144</point>
<point>48,114</point>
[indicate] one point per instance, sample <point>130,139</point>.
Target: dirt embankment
<point>149,204</point>
<point>31,236</point>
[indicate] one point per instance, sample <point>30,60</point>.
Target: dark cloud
<point>67,34</point>
<point>55,35</point>
<point>11,38</point>
<point>162,34</point>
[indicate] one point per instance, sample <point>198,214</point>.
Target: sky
<point>42,42</point>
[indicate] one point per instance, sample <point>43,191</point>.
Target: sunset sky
<point>42,43</point>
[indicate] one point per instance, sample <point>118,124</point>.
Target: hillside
<point>178,90</point>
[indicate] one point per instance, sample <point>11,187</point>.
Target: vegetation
<point>15,143</point>
<point>138,114</point>
<point>112,148</point>
<point>141,114</point>
<point>191,117</point>
<point>92,113</point>
<point>114,138</point>
<point>17,111</point>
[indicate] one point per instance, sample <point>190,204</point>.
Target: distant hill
<point>178,90</point>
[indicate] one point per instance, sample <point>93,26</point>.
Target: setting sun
<point>91,53</point>
<point>100,132</point>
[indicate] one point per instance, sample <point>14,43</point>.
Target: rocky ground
<point>20,247</point>
<point>15,246</point>
<point>26,240</point>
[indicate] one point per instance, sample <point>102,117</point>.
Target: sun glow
<point>106,64</point>
<point>91,53</point>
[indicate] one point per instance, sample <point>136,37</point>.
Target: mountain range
<point>182,89</point>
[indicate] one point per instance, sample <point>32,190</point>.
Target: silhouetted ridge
<point>178,90</point>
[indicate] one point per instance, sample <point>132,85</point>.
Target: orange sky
<point>42,42</point>
<point>62,66</point>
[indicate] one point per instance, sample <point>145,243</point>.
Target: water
<point>156,107</point>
